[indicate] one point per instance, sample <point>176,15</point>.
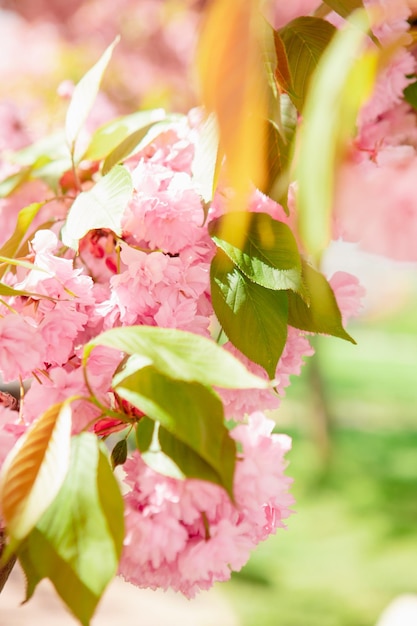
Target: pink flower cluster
<point>188,534</point>
<point>375,203</point>
<point>184,534</point>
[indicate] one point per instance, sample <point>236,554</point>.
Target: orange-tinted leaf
<point>234,88</point>
<point>282,71</point>
<point>35,469</point>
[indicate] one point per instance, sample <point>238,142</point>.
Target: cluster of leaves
<point>60,500</point>
<point>260,288</point>
<point>259,281</point>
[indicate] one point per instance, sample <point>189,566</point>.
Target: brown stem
<point>321,414</point>
<point>6,569</point>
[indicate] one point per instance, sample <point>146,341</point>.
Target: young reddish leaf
<point>282,70</point>
<point>35,469</point>
<point>305,40</point>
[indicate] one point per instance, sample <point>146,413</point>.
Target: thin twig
<point>6,569</point>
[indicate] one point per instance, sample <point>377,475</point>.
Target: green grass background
<point>351,546</point>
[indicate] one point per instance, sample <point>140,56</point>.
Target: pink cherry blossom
<point>166,213</point>
<point>11,428</point>
<point>58,385</point>
<point>348,293</point>
<point>240,402</point>
<point>376,206</point>
<point>390,84</point>
<point>296,348</point>
<point>166,541</point>
<point>388,19</point>
<point>280,13</point>
<point>169,291</point>
<point>21,347</point>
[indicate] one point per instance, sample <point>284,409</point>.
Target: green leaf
<point>24,219</point>
<point>5,290</point>
<point>322,314</point>
<point>305,40</point>
<point>26,264</point>
<point>344,7</point>
<point>205,166</point>
<point>410,94</point>
<point>190,412</point>
<point>191,464</point>
<point>346,76</point>
<point>126,148</point>
<point>280,148</point>
<point>50,148</point>
<point>12,182</point>
<point>254,318</point>
<point>119,453</point>
<point>51,172</point>
<point>270,62</point>
<point>178,354</point>
<point>269,256</point>
<point>106,138</point>
<point>78,541</point>
<point>102,206</point>
<point>84,95</point>
<point>167,455</point>
<point>157,129</point>
<point>144,433</point>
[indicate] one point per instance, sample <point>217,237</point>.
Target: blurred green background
<point>351,547</point>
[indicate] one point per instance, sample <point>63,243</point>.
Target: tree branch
<point>6,569</point>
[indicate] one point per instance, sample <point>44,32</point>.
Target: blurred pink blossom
<point>21,347</point>
<point>11,428</point>
<point>349,293</point>
<point>376,206</point>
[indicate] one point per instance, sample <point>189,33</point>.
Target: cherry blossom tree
<point>160,281</point>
